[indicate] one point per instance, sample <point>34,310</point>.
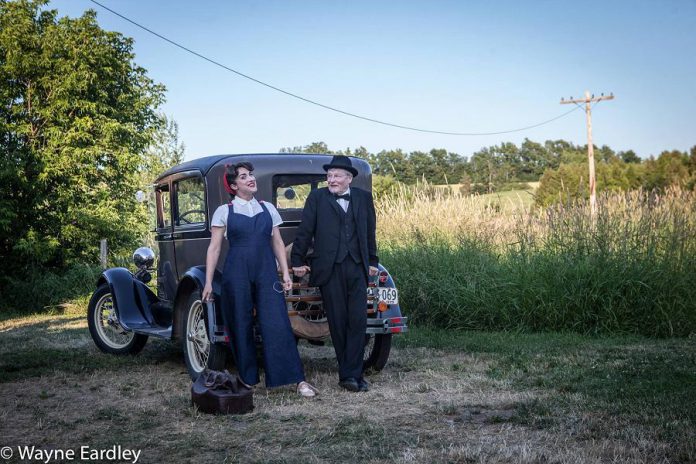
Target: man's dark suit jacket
<point>321,220</point>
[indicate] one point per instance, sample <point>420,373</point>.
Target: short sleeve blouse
<point>248,208</point>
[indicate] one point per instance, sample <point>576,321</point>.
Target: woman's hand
<point>207,292</point>
<point>211,259</point>
<point>287,281</point>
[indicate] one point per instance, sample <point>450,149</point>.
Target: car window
<point>290,191</point>
<point>164,211</point>
<point>189,201</point>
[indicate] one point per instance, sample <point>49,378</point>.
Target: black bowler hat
<point>341,162</point>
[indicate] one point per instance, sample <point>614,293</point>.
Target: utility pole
<point>590,148</point>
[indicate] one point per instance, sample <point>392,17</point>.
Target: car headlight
<point>144,258</point>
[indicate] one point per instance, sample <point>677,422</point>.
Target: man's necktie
<point>345,196</point>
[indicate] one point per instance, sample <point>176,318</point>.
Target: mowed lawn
<point>443,397</point>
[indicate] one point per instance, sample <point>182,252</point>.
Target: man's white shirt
<point>344,203</point>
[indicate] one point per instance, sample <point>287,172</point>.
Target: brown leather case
<point>217,392</point>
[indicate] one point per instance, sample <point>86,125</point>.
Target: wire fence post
<point>103,251</point>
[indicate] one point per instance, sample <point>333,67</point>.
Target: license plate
<point>388,295</point>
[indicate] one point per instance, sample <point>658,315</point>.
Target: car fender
<point>394,310</point>
<point>192,280</point>
<point>132,298</point>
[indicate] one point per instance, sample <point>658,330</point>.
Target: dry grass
<point>502,217</point>
<point>429,405</point>
<point>414,210</point>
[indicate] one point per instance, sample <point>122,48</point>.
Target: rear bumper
<point>390,325</point>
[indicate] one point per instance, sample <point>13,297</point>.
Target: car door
<point>166,264</point>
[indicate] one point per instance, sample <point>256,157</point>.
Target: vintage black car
<point>124,311</point>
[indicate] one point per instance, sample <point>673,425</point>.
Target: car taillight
<point>383,277</point>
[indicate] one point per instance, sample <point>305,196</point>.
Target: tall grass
<point>465,262</point>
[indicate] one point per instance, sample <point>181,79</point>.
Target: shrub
<point>383,185</point>
<point>42,290</point>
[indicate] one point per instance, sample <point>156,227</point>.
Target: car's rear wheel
<point>377,348</point>
<point>105,328</point>
<point>199,352</point>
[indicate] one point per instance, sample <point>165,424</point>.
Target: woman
<point>250,280</point>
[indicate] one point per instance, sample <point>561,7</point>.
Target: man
<point>342,222</point>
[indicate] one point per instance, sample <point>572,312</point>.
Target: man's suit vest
<point>348,241</point>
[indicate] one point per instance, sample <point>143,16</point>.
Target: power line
<point>307,100</point>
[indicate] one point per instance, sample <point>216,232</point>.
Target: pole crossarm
<point>588,100</point>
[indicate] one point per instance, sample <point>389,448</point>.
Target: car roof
<point>201,164</point>
<point>205,163</point>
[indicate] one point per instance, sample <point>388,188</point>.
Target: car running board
<point>159,332</point>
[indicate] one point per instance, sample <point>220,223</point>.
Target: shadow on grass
<point>38,362</point>
<point>46,345</point>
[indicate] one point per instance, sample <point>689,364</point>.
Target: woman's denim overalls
<point>248,280</point>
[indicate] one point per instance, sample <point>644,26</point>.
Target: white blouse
<point>248,208</point>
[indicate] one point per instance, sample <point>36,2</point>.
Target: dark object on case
<point>216,392</point>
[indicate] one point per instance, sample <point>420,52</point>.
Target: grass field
<point>445,396</point>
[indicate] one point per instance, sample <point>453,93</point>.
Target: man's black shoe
<point>350,384</point>
<point>363,386</point>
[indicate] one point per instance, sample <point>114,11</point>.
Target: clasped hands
<point>301,271</point>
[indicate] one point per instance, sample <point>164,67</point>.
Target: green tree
<point>670,168</point>
<point>423,166</point>
<point>604,154</point>
<point>612,176</point>
<point>491,167</point>
<point>76,114</point>
<point>557,151</point>
<point>565,184</point>
<point>533,160</point>
<point>629,156</point>
<point>314,147</point>
<point>393,163</point>
<point>165,150</point>
<point>561,151</point>
<point>360,152</point>
<point>446,167</point>
<point>635,174</point>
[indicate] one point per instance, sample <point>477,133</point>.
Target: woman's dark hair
<point>232,172</point>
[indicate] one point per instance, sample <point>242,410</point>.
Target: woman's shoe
<point>306,390</point>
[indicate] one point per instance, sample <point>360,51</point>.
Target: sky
<point>444,65</point>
